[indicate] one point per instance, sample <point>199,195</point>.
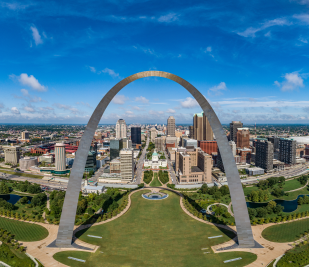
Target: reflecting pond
<point>11,198</point>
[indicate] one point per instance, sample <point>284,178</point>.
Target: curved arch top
<point>244,231</point>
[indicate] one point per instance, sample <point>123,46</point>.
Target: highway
<point>139,169</point>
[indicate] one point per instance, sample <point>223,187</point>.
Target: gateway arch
<point>65,231</point>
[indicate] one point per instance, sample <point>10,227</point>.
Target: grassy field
<point>291,185</point>
<point>14,258</point>
<point>24,231</point>
<point>155,180</point>
<point>286,232</point>
<point>154,233</point>
<point>23,174</point>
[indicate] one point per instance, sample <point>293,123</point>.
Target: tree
<point>278,192</point>
<point>204,189</point>
<point>261,212</point>
<point>272,204</point>
<point>300,201</point>
<point>224,190</point>
<point>4,189</point>
<point>252,213</point>
<point>278,209</point>
<point>23,200</point>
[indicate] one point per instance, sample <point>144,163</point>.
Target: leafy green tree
<point>4,189</point>
<point>23,200</point>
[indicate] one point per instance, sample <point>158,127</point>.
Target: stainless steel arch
<point>244,231</point>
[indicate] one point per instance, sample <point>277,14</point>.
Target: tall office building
<point>243,137</point>
<point>171,126</point>
<point>264,154</point>
<point>234,125</point>
<point>115,146</point>
<point>25,135</point>
<point>208,146</point>
<point>159,143</point>
<point>233,147</point>
<point>136,135</point>
<point>60,158</point>
<point>126,165</point>
<point>287,150</point>
<point>121,129</point>
<point>12,154</point>
<point>275,141</point>
<point>191,132</point>
<point>153,134</point>
<point>201,127</point>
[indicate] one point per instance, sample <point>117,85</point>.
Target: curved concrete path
<point>228,208</point>
<point>297,188</point>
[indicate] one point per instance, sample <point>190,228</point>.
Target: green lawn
<point>154,233</point>
<point>14,258</point>
<point>24,231</point>
<point>291,185</point>
<point>155,181</point>
<point>23,174</point>
<point>286,232</point>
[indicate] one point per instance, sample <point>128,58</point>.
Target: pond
<point>288,205</point>
<point>11,198</point>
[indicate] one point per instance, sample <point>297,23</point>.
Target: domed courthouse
<point>155,162</point>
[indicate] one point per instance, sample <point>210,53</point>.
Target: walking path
<point>228,208</point>
<point>297,188</point>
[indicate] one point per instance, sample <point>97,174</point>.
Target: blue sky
<point>248,58</point>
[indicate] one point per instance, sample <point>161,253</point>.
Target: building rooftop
<point>195,169</point>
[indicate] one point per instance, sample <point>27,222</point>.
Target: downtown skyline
<point>248,60</point>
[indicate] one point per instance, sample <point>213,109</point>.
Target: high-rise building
<point>201,127</point>
<point>243,137</point>
<point>219,158</point>
<point>264,154</point>
<point>275,141</point>
<point>208,146</point>
<point>136,135</point>
<point>193,166</point>
<point>91,162</point>
<point>159,143</point>
<point>153,134</point>
<point>12,154</point>
<point>115,146</point>
<point>287,150</point>
<point>121,129</point>
<point>234,125</point>
<point>126,165</point>
<point>25,135</point>
<point>190,143</point>
<point>233,147</point>
<point>191,132</point>
<point>60,158</point>
<point>171,126</point>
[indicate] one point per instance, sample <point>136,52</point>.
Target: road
<point>98,173</point>
<point>286,174</point>
<point>140,164</point>
<point>171,169</point>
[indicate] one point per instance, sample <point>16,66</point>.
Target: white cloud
<point>168,18</point>
<point>217,90</point>
<point>36,35</point>
<point>15,110</point>
<point>30,81</point>
<point>276,109</point>
<point>67,107</point>
<point>129,112</point>
<point>84,104</point>
<point>189,102</point>
<point>142,99</point>
<point>251,31</point>
<point>120,99</point>
<point>24,92</point>
<point>13,6</point>
<point>111,73</point>
<point>93,69</point>
<point>170,110</point>
<point>292,82</point>
<point>29,109</point>
<point>136,108</point>
<point>208,49</point>
<point>302,17</point>
<point>303,40</point>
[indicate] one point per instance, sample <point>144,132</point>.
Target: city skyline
<point>55,70</point>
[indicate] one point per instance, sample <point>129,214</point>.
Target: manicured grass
<point>23,174</point>
<point>291,185</point>
<point>24,231</point>
<point>14,258</point>
<point>154,233</point>
<point>155,180</point>
<point>286,232</point>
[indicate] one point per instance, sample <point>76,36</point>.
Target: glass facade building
<point>136,135</point>
<point>115,146</point>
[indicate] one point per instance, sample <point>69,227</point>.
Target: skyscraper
<point>25,135</point>
<point>126,164</point>
<point>287,150</point>
<point>12,154</point>
<point>121,129</point>
<point>153,134</point>
<point>264,154</point>
<point>136,135</point>
<point>115,146</point>
<point>243,137</point>
<point>171,127</point>
<point>201,127</point>
<point>60,157</point>
<point>234,125</point>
